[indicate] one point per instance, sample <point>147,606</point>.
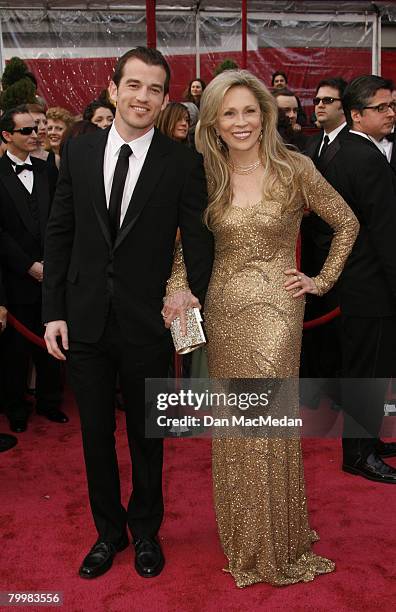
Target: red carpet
<point>46,529</point>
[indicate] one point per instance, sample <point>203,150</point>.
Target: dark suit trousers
<point>93,372</point>
<point>369,361</point>
<point>17,351</point>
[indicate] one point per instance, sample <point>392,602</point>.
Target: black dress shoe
<point>7,442</point>
<point>149,560</point>
<point>100,558</point>
<point>53,414</point>
<point>372,468</point>
<point>18,424</point>
<point>385,449</point>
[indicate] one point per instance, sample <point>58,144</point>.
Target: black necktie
<point>325,146</point>
<point>21,167</point>
<point>117,188</point>
<point>390,137</point>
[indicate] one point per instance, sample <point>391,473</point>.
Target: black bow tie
<point>390,137</point>
<point>21,167</point>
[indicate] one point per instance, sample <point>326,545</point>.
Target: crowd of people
<point>90,209</point>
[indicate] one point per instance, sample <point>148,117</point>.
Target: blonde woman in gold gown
<point>254,309</point>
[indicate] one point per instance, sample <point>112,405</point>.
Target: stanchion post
<point>244,34</point>
<point>151,29</point>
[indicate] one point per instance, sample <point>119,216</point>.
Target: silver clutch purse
<point>195,336</point>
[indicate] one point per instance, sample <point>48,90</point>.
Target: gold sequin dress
<point>254,329</point>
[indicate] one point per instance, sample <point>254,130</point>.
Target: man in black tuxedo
<point>321,352</point>
<point>26,189</point>
<point>6,441</point>
<point>122,193</point>
<point>388,143</point>
<point>367,288</point>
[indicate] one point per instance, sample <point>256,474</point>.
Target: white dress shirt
<point>371,139</point>
<point>26,176</point>
<point>332,135</point>
<point>387,145</point>
<point>139,147</point>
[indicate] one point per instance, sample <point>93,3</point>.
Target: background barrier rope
<point>25,331</point>
<point>29,335</point>
<point>323,319</point>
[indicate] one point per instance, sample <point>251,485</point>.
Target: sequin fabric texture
<point>254,329</point>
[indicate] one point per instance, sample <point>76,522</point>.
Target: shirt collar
<point>15,160</point>
<point>370,138</point>
<point>139,146</point>
<point>334,133</point>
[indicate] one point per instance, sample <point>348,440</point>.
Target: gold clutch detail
<point>195,336</point>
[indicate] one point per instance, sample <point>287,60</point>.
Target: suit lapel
<point>332,150</point>
<point>96,157</point>
<point>312,148</point>
<point>329,154</point>
<point>18,193</point>
<point>393,157</point>
<point>151,172</point>
<point>41,187</point>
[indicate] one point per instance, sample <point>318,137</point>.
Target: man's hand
<point>3,318</point>
<point>176,305</point>
<point>54,330</point>
<point>36,270</point>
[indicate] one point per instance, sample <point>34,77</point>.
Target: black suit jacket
<point>20,247</point>
<point>312,145</point>
<point>2,292</point>
<point>393,157</point>
<point>84,272</point>
<point>316,233</point>
<point>364,178</point>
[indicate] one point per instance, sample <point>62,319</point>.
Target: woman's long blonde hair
<point>282,167</point>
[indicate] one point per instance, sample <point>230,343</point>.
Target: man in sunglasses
<point>321,354</point>
<point>27,185</point>
<point>362,174</point>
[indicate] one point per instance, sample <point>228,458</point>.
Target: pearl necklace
<point>246,169</point>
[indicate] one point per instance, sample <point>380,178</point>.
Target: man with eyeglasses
<point>367,288</point>
<point>388,142</point>
<point>27,185</point>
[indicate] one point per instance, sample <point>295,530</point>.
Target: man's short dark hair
<point>149,56</point>
<point>93,106</point>
<point>7,123</point>
<point>359,92</point>
<point>283,92</point>
<point>278,73</point>
<point>337,83</point>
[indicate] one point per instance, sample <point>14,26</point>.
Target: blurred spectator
<point>99,112</point>
<point>59,119</point>
<point>279,80</point>
<point>287,102</point>
<point>290,136</point>
<point>194,91</point>
<point>174,121</point>
<point>40,119</point>
<point>193,111</point>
